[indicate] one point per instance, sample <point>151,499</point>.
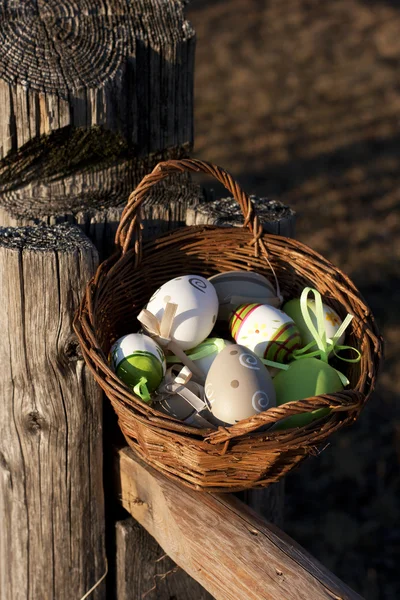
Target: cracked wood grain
<point>90,94</point>
<point>51,482</point>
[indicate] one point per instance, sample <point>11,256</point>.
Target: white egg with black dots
<point>197,309</point>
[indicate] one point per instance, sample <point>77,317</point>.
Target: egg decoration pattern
<point>138,360</point>
<point>332,321</point>
<point>238,385</point>
<point>197,309</point>
<point>239,287</point>
<point>265,330</point>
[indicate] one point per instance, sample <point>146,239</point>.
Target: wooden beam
<point>52,538</point>
<point>220,542</point>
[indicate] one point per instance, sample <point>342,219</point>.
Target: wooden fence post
<point>92,96</point>
<point>274,216</point>
<point>51,481</point>
<point>144,571</point>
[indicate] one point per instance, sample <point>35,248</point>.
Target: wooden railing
<point>222,543</point>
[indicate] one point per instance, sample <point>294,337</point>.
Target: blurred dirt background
<point>300,100</point>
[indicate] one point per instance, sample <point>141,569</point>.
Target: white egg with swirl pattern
<point>238,385</point>
<point>197,310</point>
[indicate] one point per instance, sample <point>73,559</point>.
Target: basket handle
<point>130,224</point>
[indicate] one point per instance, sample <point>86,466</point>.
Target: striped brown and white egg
<point>267,331</point>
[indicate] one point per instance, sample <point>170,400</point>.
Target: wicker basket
<point>245,455</point>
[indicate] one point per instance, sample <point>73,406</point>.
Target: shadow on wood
<point>144,571</point>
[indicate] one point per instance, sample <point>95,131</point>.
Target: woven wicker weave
<point>241,456</point>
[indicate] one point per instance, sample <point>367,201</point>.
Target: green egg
<point>303,379</point>
<point>141,364</point>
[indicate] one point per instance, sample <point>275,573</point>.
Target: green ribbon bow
<point>325,346</point>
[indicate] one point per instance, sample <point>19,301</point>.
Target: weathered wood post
<point>92,96</point>
<point>274,216</point>
<point>51,479</point>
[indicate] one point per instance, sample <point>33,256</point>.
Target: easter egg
<point>265,330</point>
<point>332,321</point>
<point>136,356</point>
<point>238,385</point>
<point>197,310</point>
<point>305,378</point>
<point>242,287</point>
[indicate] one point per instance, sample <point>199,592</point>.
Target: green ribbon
<point>202,350</point>
<point>210,345</point>
<point>325,346</point>
<point>271,363</point>
<point>142,391</point>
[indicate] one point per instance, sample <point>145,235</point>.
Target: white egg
<point>205,363</point>
<point>197,310</point>
<point>238,385</point>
